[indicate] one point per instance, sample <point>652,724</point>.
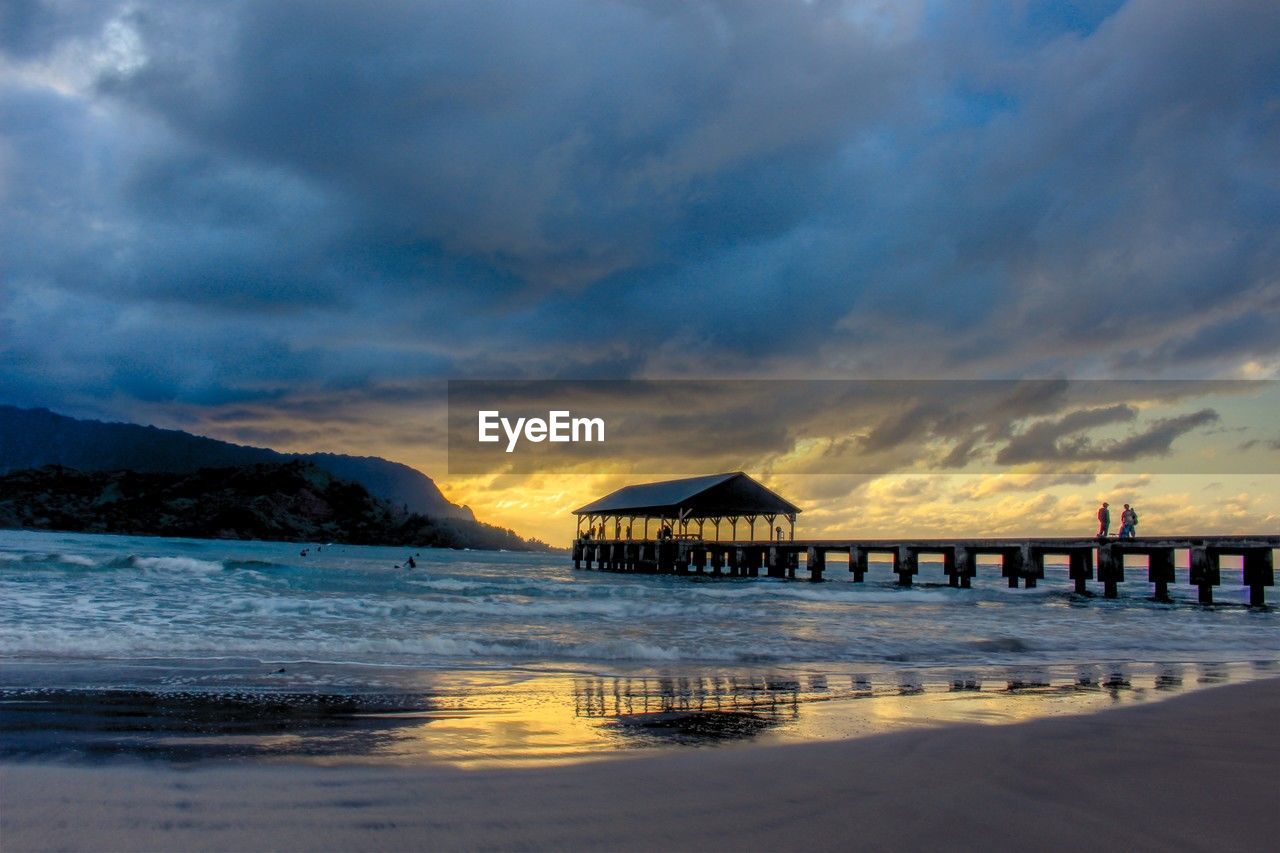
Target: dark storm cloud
<point>681,427</point>
<point>284,203</point>
<point>1066,439</point>
<point>561,143</point>
<point>1044,439</point>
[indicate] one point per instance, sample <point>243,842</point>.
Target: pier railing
<point>1022,561</point>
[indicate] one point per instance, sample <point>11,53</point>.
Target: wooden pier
<point>1022,561</point>
<point>683,512</point>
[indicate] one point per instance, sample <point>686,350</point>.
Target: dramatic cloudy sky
<point>289,222</point>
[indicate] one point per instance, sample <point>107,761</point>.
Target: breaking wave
<point>95,596</point>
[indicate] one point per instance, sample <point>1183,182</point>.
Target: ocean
<point>188,650</point>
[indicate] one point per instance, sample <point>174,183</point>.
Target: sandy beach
<point>1197,771</point>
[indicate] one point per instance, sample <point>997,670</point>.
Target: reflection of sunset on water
<point>562,719</point>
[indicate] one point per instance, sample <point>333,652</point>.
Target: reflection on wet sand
<point>692,710</point>
<point>184,726</point>
<point>475,719</point>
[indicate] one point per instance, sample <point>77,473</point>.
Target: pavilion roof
<point>712,496</point>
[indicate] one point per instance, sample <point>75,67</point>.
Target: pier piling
<point>1160,572</point>
<point>1032,565</point>
<point>858,563</point>
<point>1012,565</point>
<point>966,563</point>
<point>1080,568</point>
<point>906,564</point>
<point>1110,569</point>
<point>816,560</point>
<point>1204,573</point>
<point>1259,573</point>
<point>1023,561</point>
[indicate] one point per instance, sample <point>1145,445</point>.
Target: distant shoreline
<point>550,549</point>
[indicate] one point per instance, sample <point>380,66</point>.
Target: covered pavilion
<point>717,501</point>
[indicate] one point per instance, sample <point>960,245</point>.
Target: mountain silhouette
<point>35,438</point>
<point>294,501</point>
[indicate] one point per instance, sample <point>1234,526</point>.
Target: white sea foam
<point>174,564</point>
<point>43,557</point>
<point>96,596</point>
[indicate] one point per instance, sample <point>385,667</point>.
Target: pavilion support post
<point>717,562</point>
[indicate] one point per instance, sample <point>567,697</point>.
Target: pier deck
<point>1022,559</point>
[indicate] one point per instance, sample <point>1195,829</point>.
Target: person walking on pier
<point>1126,523</point>
<point>1104,520</point>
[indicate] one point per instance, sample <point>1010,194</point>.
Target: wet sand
<point>1199,771</point>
